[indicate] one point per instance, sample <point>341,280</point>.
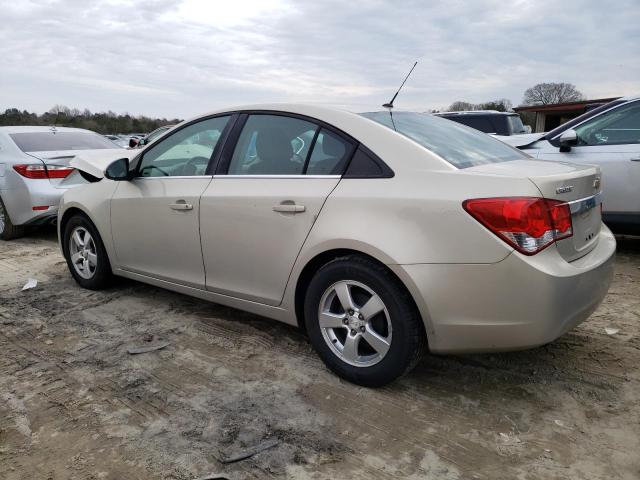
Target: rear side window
<point>272,145</point>
<point>51,141</point>
<point>459,145</point>
<point>330,154</point>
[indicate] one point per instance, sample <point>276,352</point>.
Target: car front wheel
<point>362,322</point>
<point>85,254</point>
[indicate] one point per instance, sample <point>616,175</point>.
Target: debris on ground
<point>31,283</point>
<point>148,348</point>
<point>261,447</point>
<point>611,331</point>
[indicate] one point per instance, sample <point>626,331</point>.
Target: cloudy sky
<point>178,58</point>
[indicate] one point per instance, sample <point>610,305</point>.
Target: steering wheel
<point>194,162</point>
<point>163,172</point>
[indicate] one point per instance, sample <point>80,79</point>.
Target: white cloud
<point>172,58</point>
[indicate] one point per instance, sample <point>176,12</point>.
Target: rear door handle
<point>289,208</point>
<point>635,159</point>
<point>181,205</point>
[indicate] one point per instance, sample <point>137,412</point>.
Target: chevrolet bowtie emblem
<point>596,183</point>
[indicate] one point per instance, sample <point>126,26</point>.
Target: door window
<point>186,152</point>
<point>617,127</point>
<point>272,145</point>
<point>330,154</point>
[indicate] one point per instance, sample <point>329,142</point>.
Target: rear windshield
<point>51,141</point>
<point>459,145</point>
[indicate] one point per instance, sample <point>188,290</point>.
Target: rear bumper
<point>20,201</point>
<point>520,302</point>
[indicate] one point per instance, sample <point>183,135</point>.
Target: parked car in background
<point>607,136</point>
<point>380,233</point>
<point>35,171</point>
<point>135,142</point>
<point>489,121</point>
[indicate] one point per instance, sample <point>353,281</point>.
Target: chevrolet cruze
<point>383,234</point>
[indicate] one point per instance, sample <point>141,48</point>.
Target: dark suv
<point>488,121</point>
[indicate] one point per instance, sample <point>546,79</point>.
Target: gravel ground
<point>75,405</point>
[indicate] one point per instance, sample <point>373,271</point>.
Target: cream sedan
<point>381,234</point>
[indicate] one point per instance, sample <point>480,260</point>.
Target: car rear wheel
<point>362,322</point>
<point>85,254</point>
<point>8,231</point>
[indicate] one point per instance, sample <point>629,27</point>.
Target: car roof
<point>39,128</point>
<point>476,112</point>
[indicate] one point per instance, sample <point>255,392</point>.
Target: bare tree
<point>548,93</point>
<point>461,106</point>
<point>502,105</point>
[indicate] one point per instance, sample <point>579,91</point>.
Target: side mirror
<point>568,139</point>
<point>133,142</point>
<point>142,142</point>
<point>118,170</point>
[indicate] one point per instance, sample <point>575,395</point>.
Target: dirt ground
<point>75,405</point>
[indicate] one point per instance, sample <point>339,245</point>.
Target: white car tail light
<point>528,224</point>
<point>42,171</point>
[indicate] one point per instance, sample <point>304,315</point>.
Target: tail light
<point>528,224</point>
<point>43,171</point>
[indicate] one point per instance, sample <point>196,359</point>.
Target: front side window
<point>272,145</point>
<point>515,124</point>
<point>459,145</point>
<point>617,127</point>
<point>185,153</point>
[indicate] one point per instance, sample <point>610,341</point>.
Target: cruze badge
<point>566,189</point>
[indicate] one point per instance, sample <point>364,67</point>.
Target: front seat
<point>274,151</point>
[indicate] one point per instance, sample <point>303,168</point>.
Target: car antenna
<point>390,104</point>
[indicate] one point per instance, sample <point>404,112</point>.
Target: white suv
<point>608,136</point>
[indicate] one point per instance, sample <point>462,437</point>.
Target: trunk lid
<point>577,185</point>
<point>65,158</point>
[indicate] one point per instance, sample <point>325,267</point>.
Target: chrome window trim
<point>584,204</point>
<point>165,177</point>
<point>277,176</point>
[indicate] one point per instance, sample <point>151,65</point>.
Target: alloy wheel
<point>355,323</point>
<point>83,253</point>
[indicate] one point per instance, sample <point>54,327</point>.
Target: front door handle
<point>181,205</point>
<point>289,208</point>
<point>635,159</point>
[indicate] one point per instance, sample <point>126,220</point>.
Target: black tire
<point>102,275</point>
<point>9,231</point>
<point>408,341</point>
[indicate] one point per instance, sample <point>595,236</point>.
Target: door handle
<point>635,159</point>
<point>289,208</point>
<point>181,205</point>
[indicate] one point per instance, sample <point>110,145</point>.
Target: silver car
<point>382,234</point>
<point>35,171</point>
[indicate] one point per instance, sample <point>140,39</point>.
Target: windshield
<point>156,133</point>
<point>459,145</point>
<point>52,141</point>
<point>515,124</point>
